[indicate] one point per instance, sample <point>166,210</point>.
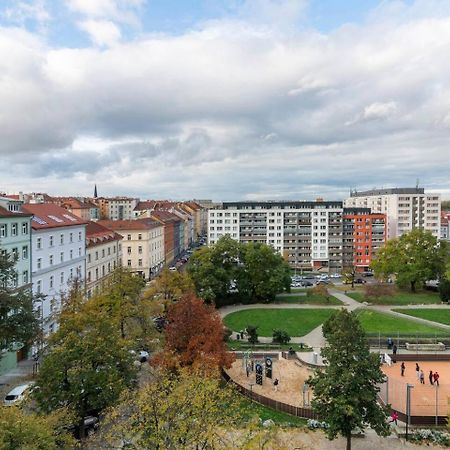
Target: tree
<point>444,290</point>
<point>349,273</point>
<point>264,273</point>
<point>88,364</point>
<point>319,289</point>
<point>189,410</point>
<point>18,322</point>
<point>281,336</point>
<point>414,258</point>
<point>345,390</point>
<point>252,332</point>
<point>20,431</point>
<point>171,286</point>
<point>194,336</point>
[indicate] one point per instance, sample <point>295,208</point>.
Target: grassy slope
<point>400,298</point>
<point>435,315</point>
<point>313,299</point>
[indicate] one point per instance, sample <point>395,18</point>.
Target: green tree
<point>413,259</point>
<point>264,273</point>
<point>88,364</point>
<point>252,332</point>
<point>20,431</point>
<point>345,390</point>
<point>349,275</point>
<point>18,321</point>
<point>280,336</point>
<point>444,290</point>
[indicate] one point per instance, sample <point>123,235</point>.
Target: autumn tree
<point>346,389</point>
<point>413,259</point>
<point>21,431</point>
<point>18,321</point>
<point>87,363</point>
<point>194,334</point>
<point>349,274</point>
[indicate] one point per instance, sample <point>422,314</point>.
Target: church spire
<point>95,191</point>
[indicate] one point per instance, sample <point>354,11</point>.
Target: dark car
<point>360,281</point>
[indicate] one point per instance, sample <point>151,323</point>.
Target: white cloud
<point>102,32</point>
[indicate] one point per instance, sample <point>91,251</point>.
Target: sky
<point>226,100</point>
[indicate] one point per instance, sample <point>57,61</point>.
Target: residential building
<point>171,223</point>
<point>116,208</point>
<point>15,240</point>
<point>307,234</point>
<point>81,207</point>
<point>445,225</point>
<point>103,255</point>
<point>364,233</point>
<point>405,208</point>
<point>58,257</point>
<point>142,245</point>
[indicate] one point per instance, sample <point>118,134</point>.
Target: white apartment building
<point>58,256</point>
<point>307,234</point>
<point>405,208</point>
<point>142,245</point>
<point>103,255</point>
<point>116,208</point>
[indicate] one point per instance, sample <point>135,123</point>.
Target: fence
<point>380,340</point>
<point>298,411</point>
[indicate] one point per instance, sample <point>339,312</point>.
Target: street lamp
<point>408,406</point>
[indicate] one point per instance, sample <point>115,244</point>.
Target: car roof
<point>19,389</point>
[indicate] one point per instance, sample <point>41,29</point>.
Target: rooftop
<point>49,215</point>
<point>389,191</point>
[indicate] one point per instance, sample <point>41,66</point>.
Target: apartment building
<point>116,208</point>
<point>81,207</point>
<point>307,234</point>
<point>142,245</point>
<point>58,256</point>
<point>15,241</point>
<point>405,208</point>
<point>364,233</point>
<point>171,223</point>
<point>103,255</point>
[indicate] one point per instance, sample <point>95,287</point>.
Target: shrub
<point>252,332</point>
<point>433,436</point>
<point>227,333</point>
<point>444,290</point>
<point>319,289</point>
<point>280,337</point>
<point>375,291</point>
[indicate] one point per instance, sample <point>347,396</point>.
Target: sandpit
<point>291,374</point>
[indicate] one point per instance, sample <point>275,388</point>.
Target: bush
<point>319,289</point>
<point>252,332</point>
<point>280,337</point>
<point>227,333</point>
<point>433,436</point>
<point>375,291</point>
<point>444,290</point>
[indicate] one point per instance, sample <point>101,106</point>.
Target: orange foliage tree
<point>194,336</point>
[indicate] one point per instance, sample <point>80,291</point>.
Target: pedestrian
<point>394,349</point>
<point>422,377</point>
<point>402,367</point>
<point>389,343</point>
<point>436,378</point>
<point>275,385</point>
<point>430,377</point>
<point>417,372</point>
<point>394,417</point>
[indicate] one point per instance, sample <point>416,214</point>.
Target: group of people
<point>432,377</point>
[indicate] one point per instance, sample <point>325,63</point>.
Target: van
<point>17,394</point>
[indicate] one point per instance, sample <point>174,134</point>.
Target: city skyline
<point>233,100</point>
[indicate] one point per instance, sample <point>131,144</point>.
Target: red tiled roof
<point>49,215</point>
<point>97,234</point>
<point>165,216</point>
<point>5,213</point>
<point>125,225</point>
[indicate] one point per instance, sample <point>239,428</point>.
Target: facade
<point>15,239</point>
<point>58,256</point>
<point>103,255</point>
<point>405,208</point>
<point>171,224</point>
<point>445,226</point>
<point>307,234</point>
<point>116,208</point>
<point>364,233</point>
<point>142,245</point>
<point>81,207</point>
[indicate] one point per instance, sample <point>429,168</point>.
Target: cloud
<point>233,108</point>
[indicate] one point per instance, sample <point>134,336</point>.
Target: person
<point>389,342</point>
<point>394,349</point>
<point>394,417</point>
<point>422,377</point>
<point>275,384</point>
<point>417,372</point>
<point>402,367</point>
<point>430,377</point>
<point>436,378</point>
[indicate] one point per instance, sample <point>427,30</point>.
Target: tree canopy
<point>345,390</point>
<point>413,259</point>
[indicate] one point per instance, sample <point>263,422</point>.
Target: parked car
<point>360,281</point>
<point>172,268</point>
<point>306,283</point>
<point>17,395</point>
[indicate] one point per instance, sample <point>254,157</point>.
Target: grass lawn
<point>436,315</point>
<point>400,298</point>
<point>376,322</point>
<point>296,322</point>
<point>244,345</point>
<point>312,299</point>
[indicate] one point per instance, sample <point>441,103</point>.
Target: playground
<point>291,375</point>
<point>423,396</point>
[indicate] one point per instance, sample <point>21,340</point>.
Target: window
<point>62,277</point>
<point>39,286</point>
<point>89,276</point>
<point>61,239</point>
<point>39,263</point>
<point>140,263</point>
<point>39,243</point>
<point>103,271</point>
<point>79,236</point>
<point>25,277</point>
<point>14,229</point>
<point>3,231</point>
<point>109,267</point>
<point>96,273</point>
<point>129,237</point>
<point>89,257</point>
<point>96,256</point>
<point>50,260</point>
<point>129,263</point>
<point>103,253</point>
<point>140,249</point>
<point>50,241</point>
<point>109,251</point>
<point>51,281</point>
<point>71,254</point>
<point>61,257</point>
<point>71,237</point>
<point>129,250</point>
<point>24,228</point>
<point>79,251</point>
<point>71,273</point>
<point>140,236</point>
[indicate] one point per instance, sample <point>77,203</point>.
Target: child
<point>422,377</point>
<point>275,385</point>
<point>394,417</point>
<point>402,367</point>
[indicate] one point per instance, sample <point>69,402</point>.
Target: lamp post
<point>408,406</point>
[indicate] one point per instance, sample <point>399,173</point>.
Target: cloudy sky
<point>237,99</point>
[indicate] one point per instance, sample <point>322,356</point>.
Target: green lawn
<point>435,315</point>
<point>400,298</point>
<point>376,322</point>
<point>296,322</point>
<point>313,299</point>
